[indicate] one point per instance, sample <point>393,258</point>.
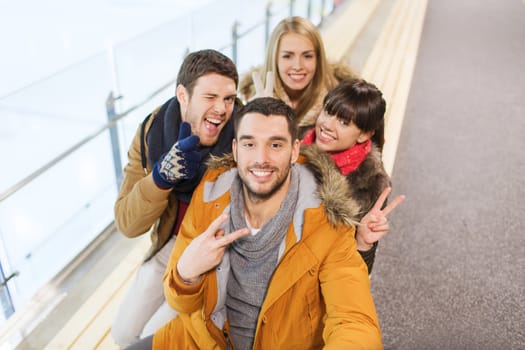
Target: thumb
<point>184,130</point>
<point>186,141</point>
<point>189,143</point>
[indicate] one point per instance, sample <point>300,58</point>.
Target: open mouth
<point>297,77</point>
<point>261,173</point>
<point>324,136</point>
<point>212,123</point>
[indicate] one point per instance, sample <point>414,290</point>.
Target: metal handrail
<point>235,36</point>
<point>19,185</point>
<point>110,125</point>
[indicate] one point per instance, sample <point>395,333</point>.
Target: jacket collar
<point>332,187</point>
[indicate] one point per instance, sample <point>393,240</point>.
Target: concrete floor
<point>451,273</point>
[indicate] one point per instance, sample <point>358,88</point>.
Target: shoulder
<point>371,173</point>
<point>341,71</point>
<point>155,118</point>
<point>369,180</point>
<point>331,186</point>
<point>216,182</point>
<point>320,233</point>
<point>224,161</point>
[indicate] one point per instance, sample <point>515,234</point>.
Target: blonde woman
<point>297,68</point>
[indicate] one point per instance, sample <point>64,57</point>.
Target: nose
<point>297,64</point>
<point>261,155</point>
<point>219,107</point>
<point>328,122</point>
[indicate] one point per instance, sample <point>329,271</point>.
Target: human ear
<point>234,150</point>
<point>296,145</point>
<point>181,94</point>
<point>365,136</point>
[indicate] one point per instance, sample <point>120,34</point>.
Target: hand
<point>206,250</point>
<point>261,91</point>
<point>181,162</point>
<point>374,225</point>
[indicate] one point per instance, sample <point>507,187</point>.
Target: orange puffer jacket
<point>318,297</point>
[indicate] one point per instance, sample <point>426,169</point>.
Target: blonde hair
<point>323,79</point>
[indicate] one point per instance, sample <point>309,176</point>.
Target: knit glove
<point>181,162</point>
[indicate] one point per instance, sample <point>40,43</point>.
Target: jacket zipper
<point>227,338</point>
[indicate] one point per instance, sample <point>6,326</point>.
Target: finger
<point>234,236</point>
<point>188,143</point>
<point>269,84</point>
<point>391,206</point>
<point>373,218</point>
<point>380,228</point>
<point>219,234</point>
<point>382,198</point>
<point>257,83</point>
<point>380,220</point>
<point>216,225</point>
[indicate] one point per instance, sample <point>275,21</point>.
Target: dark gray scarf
<point>253,260</point>
<point>164,132</point>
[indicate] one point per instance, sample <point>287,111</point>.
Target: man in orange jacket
<point>258,263</point>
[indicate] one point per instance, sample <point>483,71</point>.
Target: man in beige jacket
<point>165,164</point>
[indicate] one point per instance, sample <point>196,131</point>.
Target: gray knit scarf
<point>253,260</point>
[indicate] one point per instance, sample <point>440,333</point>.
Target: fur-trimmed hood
<point>363,185</point>
<point>333,188</point>
<point>368,181</point>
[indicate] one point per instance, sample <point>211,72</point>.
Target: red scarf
<point>347,160</point>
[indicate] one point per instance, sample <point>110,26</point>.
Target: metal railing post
<point>267,17</point>
<point>235,37</point>
<point>291,7</point>
<point>309,10</point>
<point>113,134</point>
<point>5,296</point>
<point>322,10</point>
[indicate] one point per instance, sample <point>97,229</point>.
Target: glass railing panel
<point>48,222</point>
<point>48,117</point>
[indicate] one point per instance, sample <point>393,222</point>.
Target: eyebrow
<point>272,138</point>
<point>303,52</point>
<point>279,138</point>
<point>217,95</point>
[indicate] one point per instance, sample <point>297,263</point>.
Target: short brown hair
<point>203,62</point>
<point>267,106</point>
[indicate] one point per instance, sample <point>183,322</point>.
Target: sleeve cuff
<point>369,256</point>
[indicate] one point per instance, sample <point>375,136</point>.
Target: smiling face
<point>264,152</point>
<point>209,107</point>
<point>333,134</point>
<point>296,62</point>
